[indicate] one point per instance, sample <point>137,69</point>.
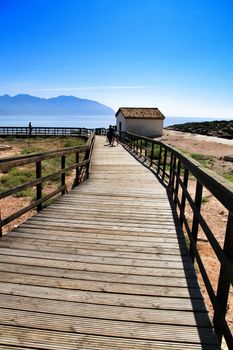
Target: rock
<point>5,148</point>
<point>228,159</point>
<point>221,128</point>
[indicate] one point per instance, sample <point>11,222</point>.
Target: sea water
<point>93,121</point>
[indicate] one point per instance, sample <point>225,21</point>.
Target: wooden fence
<point>47,131</point>
<point>80,163</point>
<point>174,171</point>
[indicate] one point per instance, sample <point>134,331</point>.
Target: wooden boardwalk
<point>104,267</point>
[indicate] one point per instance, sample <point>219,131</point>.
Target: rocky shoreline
<point>223,128</point>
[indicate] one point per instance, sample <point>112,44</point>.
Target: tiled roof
<point>140,113</point>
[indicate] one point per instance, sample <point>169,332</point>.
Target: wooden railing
<point>174,171</point>
<point>43,131</point>
<point>80,163</point>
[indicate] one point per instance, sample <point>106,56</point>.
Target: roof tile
<point>140,113</point>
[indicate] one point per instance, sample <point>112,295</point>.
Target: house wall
<point>145,127</point>
<point>122,120</point>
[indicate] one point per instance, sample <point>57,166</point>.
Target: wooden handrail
<point>23,131</point>
<point>43,131</point>
<point>80,165</point>
<point>167,167</point>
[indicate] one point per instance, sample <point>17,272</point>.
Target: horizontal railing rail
<point>43,131</point>
<point>80,163</point>
<point>175,170</point>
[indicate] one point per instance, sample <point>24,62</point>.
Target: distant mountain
<point>25,104</point>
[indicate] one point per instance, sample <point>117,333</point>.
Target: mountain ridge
<point>22,104</point>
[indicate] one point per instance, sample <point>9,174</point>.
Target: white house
<point>140,121</point>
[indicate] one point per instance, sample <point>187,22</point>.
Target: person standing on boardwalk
<point>30,128</point>
<point>110,135</point>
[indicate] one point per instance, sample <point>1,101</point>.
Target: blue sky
<point>176,55</point>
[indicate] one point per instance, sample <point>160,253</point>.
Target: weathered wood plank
<point>73,265</point>
<point>100,276</point>
<point>69,341</point>
<point>72,243</point>
<point>97,259</point>
<point>103,298</point>
<point>97,286</point>
<point>62,247</point>
<point>121,313</point>
<point>109,328</point>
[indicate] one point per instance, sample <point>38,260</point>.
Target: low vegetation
<point>18,176</point>
<point>203,159</point>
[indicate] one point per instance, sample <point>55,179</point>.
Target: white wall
<point>145,127</point>
<point>121,119</point>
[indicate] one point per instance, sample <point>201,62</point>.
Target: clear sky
<point>176,55</point>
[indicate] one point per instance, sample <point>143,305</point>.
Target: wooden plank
<point>175,247</point>
<point>96,259</point>
<point>99,234</point>
<point>63,229</point>
<point>38,338</point>
<point>100,276</point>
<point>102,298</point>
<point>99,286</point>
<point>67,241</point>
<point>109,328</point>
<point>62,247</point>
<point>125,270</point>
<point>121,313</point>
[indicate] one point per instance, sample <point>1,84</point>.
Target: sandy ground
<point>198,139</point>
<point>214,213</point>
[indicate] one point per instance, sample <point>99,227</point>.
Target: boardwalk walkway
<point>103,268</point>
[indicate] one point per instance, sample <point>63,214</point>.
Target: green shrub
<point>203,159</point>
<point>73,142</point>
<point>229,176</point>
<point>16,177</point>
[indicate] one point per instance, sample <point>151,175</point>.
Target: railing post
<point>159,160</point>
<point>198,197</point>
<point>134,143</point>
<point>177,183</point>
<point>172,175</point>
<point>171,169</point>
<point>77,172</point>
<point>39,185</point>
<point>63,175</point>
<point>152,154</point>
<point>146,145</point>
<point>183,198</point>
<point>141,147</point>
<point>223,282</point>
<point>88,164</point>
<point>137,145</point>
<point>164,163</point>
